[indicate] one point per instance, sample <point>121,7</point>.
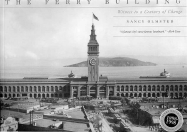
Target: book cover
<point>118,65</point>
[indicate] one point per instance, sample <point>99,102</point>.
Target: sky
<point>35,34</point>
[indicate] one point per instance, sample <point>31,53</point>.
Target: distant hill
<point>115,62</point>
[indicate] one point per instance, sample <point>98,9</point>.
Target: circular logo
<point>92,61</point>
<point>171,120</point>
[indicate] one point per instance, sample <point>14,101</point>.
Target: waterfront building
<point>93,85</point>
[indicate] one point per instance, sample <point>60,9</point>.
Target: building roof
<point>15,114</point>
<point>45,122</point>
<point>85,80</point>
<point>58,106</point>
<point>139,80</point>
<point>25,106</point>
<point>35,80</point>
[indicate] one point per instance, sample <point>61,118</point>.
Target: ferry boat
<point>164,74</point>
<point>71,75</point>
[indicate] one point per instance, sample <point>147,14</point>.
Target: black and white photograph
<point>93,65</point>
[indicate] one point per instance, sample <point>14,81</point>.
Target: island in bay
<point>115,62</point>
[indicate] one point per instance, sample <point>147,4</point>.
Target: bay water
<point>111,72</point>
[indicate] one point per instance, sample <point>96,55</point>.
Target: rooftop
<point>76,127</point>
<point>33,80</point>
<point>149,79</point>
<point>15,114</point>
<point>70,126</point>
<point>76,113</point>
<point>84,80</point>
<point>45,122</point>
<point>58,106</point>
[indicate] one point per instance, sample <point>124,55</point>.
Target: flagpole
<point>92,19</point>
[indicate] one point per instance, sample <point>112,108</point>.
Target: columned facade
<point>153,90</point>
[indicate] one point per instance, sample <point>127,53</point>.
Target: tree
<point>125,101</point>
<point>135,105</point>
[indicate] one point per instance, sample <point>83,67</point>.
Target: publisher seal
<point>171,120</point>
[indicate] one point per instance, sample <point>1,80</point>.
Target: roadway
<point>105,126</point>
<point>66,119</point>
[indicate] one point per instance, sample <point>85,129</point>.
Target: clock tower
<point>93,57</point>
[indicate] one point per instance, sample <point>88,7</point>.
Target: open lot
<point>7,113</point>
<point>78,114</point>
<point>76,127</point>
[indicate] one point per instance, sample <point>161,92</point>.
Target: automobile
<point>53,127</point>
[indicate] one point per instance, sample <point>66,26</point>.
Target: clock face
<point>92,61</point>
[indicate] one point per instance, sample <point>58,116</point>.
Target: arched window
<point>43,88</point>
<point>167,88</point>
<point>31,88</point>
<point>140,88</point>
<point>158,88</point>
<point>135,88</point>
<point>14,89</point>
<point>122,88</point>
<point>9,89</point>
<point>35,89</point>
<point>185,95</point>
<point>162,88</point>
<point>26,89</point>
<point>127,88</point>
<point>131,88</point>
<point>22,89</point>
<point>118,88</point>
<point>39,88</point>
<point>153,88</point>
<point>180,88</point>
<point>171,88</point>
<point>149,88</point>
<point>47,88</point>
<point>52,88</point>
<point>171,95</point>
<point>126,95</point>
<point>185,87</point>
<point>144,88</point>
<point>176,88</point>
<point>1,88</point>
<point>56,88</point>
<point>18,89</point>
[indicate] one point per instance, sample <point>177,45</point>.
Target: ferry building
<point>93,85</point>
